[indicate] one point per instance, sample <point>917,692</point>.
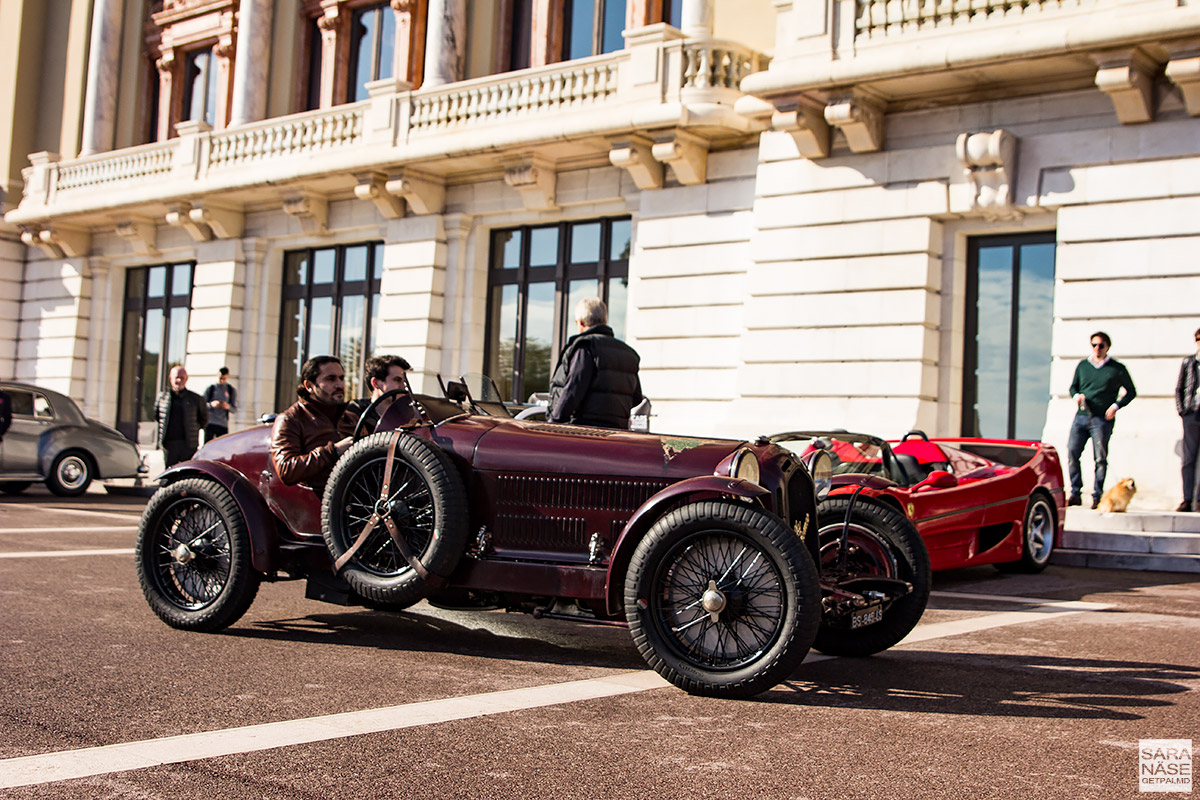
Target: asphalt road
<point>1011,687</point>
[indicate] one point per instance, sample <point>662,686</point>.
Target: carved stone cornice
<point>537,181</point>
<point>58,241</point>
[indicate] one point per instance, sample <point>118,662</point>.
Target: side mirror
<point>457,392</point>
<point>938,479</point>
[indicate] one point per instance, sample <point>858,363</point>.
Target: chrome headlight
<point>821,469</point>
<point>745,465</point>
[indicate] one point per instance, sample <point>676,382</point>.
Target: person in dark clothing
<point>305,442</point>
<point>383,373</point>
<point>221,398</point>
<point>596,380</point>
<point>181,414</point>
<point>5,413</point>
<point>1187,403</point>
<point>1097,390</point>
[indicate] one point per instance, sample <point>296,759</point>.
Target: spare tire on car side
<point>426,503</point>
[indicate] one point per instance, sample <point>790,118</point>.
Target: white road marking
<point>65,553</point>
<point>72,529</point>
<point>71,764</point>
<point>125,515</point>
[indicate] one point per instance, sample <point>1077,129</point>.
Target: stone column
<point>104,55</point>
<point>697,19</point>
<point>252,58</point>
<point>446,42</point>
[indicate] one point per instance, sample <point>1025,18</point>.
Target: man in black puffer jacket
<point>596,380</point>
<point>181,415</point>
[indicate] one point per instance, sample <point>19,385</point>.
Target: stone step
<point>1140,540</point>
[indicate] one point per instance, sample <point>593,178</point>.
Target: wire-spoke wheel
<point>193,556</point>
<point>1037,537</point>
<point>426,503</point>
<point>722,599</point>
<point>880,543</point>
<point>70,474</point>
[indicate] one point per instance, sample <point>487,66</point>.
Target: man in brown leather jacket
<point>305,443</point>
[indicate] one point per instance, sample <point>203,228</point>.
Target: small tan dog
<point>1117,498</point>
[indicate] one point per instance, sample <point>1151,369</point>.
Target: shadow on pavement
<point>992,685</point>
<point>525,639</point>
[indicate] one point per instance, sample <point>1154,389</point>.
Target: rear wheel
<point>722,599</point>
<point>193,556</point>
<point>70,474</point>
<point>881,543</point>
<point>1037,537</point>
<point>426,502</point>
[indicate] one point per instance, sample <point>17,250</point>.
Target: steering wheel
<point>362,420</point>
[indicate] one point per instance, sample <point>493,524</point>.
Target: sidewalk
<point>1143,540</point>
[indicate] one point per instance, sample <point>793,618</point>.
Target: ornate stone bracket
<point>989,163</point>
<point>141,233</point>
<point>59,242</point>
<point>226,222</point>
<point>373,186</point>
<point>686,155</point>
<point>311,209</point>
<point>537,182</point>
<point>635,157</point>
<point>180,215</point>
<point>1184,72</point>
<point>860,119</point>
<point>425,194</point>
<point>1127,77</point>
<point>808,127</point>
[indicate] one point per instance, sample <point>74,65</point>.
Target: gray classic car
<point>51,440</point>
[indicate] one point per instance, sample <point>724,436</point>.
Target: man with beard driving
<point>305,443</point>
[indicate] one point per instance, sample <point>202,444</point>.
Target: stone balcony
<point>845,63</point>
<point>661,104</point>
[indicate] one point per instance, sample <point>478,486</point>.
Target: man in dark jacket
<point>181,415</point>
<point>1097,390</point>
<point>305,443</point>
<point>1187,403</point>
<point>221,398</point>
<point>596,381</point>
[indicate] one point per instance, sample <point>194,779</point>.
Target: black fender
<point>649,513</point>
<point>260,522</point>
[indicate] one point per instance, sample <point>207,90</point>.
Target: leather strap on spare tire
<point>434,581</point>
<point>403,484</point>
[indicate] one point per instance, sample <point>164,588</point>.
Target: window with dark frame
<point>330,307</point>
<point>592,27</point>
<point>1009,321</point>
<point>157,307</point>
<point>316,55</point>
<point>672,12</point>
<point>538,274</point>
<point>372,48</point>
<point>520,45</point>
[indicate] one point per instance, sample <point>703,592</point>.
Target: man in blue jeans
<point>1097,390</point>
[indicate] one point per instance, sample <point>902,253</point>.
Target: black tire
<point>193,556</point>
<point>428,504</point>
<point>70,474</point>
<point>761,620</point>
<point>14,487</point>
<point>882,543</point>
<point>1038,533</point>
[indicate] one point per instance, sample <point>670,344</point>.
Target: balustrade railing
<point>133,164</point>
<point>342,127</point>
<point>719,65</point>
<point>511,96</point>
<point>876,18</point>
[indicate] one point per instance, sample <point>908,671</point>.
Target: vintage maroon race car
<point>707,549</point>
<point>974,501</point>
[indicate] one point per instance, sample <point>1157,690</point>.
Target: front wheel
<point>1037,537</point>
<point>880,543</point>
<point>193,556</point>
<point>722,599</point>
<point>70,474</point>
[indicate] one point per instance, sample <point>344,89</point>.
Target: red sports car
<point>974,501</point>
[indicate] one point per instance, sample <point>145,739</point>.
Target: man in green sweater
<point>1097,383</point>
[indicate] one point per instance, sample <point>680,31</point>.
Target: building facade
<point>860,214</point>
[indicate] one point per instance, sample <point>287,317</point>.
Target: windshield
<point>439,399</point>
<point>853,453</point>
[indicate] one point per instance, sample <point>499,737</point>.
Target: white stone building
<point>869,214</point>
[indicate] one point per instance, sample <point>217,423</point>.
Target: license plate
<point>866,616</point>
